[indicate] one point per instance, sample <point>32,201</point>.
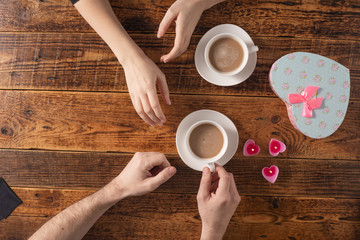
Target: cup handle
<point>253,49</point>
<point>211,166</point>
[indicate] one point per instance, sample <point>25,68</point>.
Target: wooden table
<point>68,126</point>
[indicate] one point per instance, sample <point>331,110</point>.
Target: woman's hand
<point>142,77</point>
<point>186,14</point>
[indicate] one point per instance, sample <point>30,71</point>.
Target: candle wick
<point>252,149</point>
<point>275,147</point>
<point>270,171</point>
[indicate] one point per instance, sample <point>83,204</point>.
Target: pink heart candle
<point>270,174</point>
<point>276,147</point>
<point>250,148</point>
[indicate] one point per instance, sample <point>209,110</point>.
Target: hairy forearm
<point>75,221</point>
<point>101,17</point>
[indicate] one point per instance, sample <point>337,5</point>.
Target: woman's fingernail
<point>172,170</point>
<point>206,171</point>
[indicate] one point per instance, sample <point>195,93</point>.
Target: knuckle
<point>148,111</point>
<point>148,186</point>
<point>140,111</point>
<point>140,154</point>
<point>226,177</point>
<point>172,10</point>
<point>237,199</point>
<point>223,201</point>
<point>155,106</point>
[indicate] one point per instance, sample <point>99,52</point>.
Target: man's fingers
<point>161,177</point>
<point>164,89</point>
<point>224,180</point>
<point>205,184</point>
<point>149,111</point>
<point>169,17</point>
<point>233,190</point>
<point>214,186</point>
<point>156,159</point>
<point>140,111</point>
<point>155,105</point>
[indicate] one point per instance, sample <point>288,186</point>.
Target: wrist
<point>212,233</point>
<point>113,192</point>
<point>129,54</point>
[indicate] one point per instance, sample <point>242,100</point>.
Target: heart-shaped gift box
<point>315,89</point>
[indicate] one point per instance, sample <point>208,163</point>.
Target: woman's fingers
<point>169,17</point>
<point>155,106</point>
<point>164,89</point>
<point>148,110</point>
<point>140,111</point>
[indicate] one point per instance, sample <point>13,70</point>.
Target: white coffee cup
<point>208,162</point>
<point>246,49</point>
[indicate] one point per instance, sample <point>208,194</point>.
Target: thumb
<point>205,184</point>
<point>162,176</point>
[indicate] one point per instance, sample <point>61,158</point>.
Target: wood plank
<point>298,177</point>
<point>166,216</point>
<point>88,121</point>
<point>320,19</point>
<point>83,62</point>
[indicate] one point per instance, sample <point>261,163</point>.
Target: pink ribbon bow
<point>305,97</point>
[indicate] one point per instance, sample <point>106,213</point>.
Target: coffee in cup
<point>207,142</point>
<point>227,54</point>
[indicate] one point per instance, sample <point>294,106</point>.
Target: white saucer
<point>215,116</point>
<point>213,77</point>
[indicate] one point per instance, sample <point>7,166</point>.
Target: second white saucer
<point>211,115</point>
<point>214,77</point>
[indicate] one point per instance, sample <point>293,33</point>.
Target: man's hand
<point>142,77</point>
<point>186,14</point>
<point>144,173</point>
<point>217,199</point>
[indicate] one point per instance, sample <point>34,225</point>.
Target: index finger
<point>165,23</point>
<point>224,180</point>
<point>156,159</point>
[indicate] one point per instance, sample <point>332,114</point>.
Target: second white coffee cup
<point>246,51</point>
<point>209,162</point>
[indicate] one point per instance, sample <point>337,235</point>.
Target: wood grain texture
<point>175,216</point>
<point>82,62</point>
<point>317,19</point>
<point>63,91</point>
<point>107,122</point>
<point>298,177</point>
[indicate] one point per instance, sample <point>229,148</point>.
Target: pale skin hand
<point>217,199</point>
<point>186,14</point>
<point>143,174</point>
<point>142,75</point>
